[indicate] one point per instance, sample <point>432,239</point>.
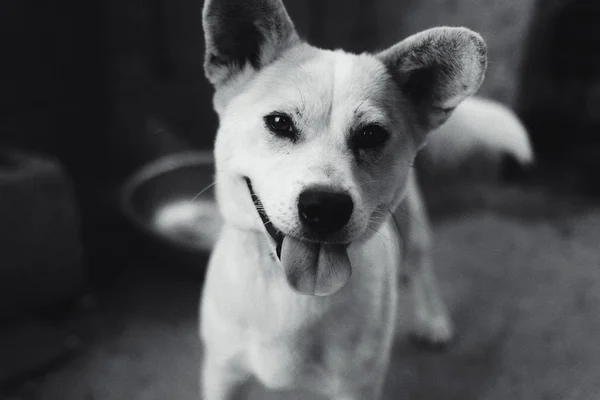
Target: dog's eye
<point>281,124</point>
<point>369,137</point>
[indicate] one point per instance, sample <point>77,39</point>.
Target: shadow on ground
<point>523,285</point>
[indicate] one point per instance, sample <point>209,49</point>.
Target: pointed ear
<point>242,33</point>
<point>437,69</point>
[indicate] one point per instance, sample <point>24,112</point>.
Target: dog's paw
<point>433,334</point>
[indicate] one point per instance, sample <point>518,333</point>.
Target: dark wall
<point>560,85</point>
<point>86,80</point>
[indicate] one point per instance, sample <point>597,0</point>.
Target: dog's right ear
<point>437,69</point>
<point>244,33</point>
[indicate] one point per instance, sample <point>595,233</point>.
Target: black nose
<point>324,211</point>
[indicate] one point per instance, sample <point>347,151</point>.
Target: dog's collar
<point>275,233</point>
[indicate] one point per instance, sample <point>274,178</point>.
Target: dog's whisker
<point>379,234</point>
<point>406,213</point>
<point>376,220</point>
<point>378,211</point>
<point>203,191</point>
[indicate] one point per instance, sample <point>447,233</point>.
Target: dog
<point>323,218</point>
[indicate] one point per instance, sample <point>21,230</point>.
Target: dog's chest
<point>329,347</point>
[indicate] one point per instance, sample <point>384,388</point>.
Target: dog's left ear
<point>241,33</point>
<point>437,69</point>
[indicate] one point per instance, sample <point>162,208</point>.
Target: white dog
<point>313,154</point>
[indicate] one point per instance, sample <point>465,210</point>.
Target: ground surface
<point>520,271</point>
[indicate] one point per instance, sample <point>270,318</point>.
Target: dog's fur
<point>253,322</point>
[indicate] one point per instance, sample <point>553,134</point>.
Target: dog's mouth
<point>310,267</point>
<point>275,233</point>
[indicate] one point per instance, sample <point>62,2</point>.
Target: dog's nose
<point>324,211</point>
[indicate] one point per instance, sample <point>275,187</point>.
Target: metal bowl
<point>181,178</point>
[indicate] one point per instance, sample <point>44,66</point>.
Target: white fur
<point>479,126</point>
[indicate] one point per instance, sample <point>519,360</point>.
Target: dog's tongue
<point>313,268</point>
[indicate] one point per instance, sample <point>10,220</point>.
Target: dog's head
<point>314,146</point>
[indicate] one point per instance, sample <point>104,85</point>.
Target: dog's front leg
<point>432,325</point>
<point>223,382</point>
<point>224,372</point>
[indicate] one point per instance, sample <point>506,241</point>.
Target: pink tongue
<point>313,268</point>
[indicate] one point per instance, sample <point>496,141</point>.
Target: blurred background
<point>106,115</point>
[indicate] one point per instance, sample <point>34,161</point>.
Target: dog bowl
<point>171,201</point>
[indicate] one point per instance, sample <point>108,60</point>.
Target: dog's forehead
<point>321,83</point>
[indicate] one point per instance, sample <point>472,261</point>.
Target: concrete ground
<point>520,272</point>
